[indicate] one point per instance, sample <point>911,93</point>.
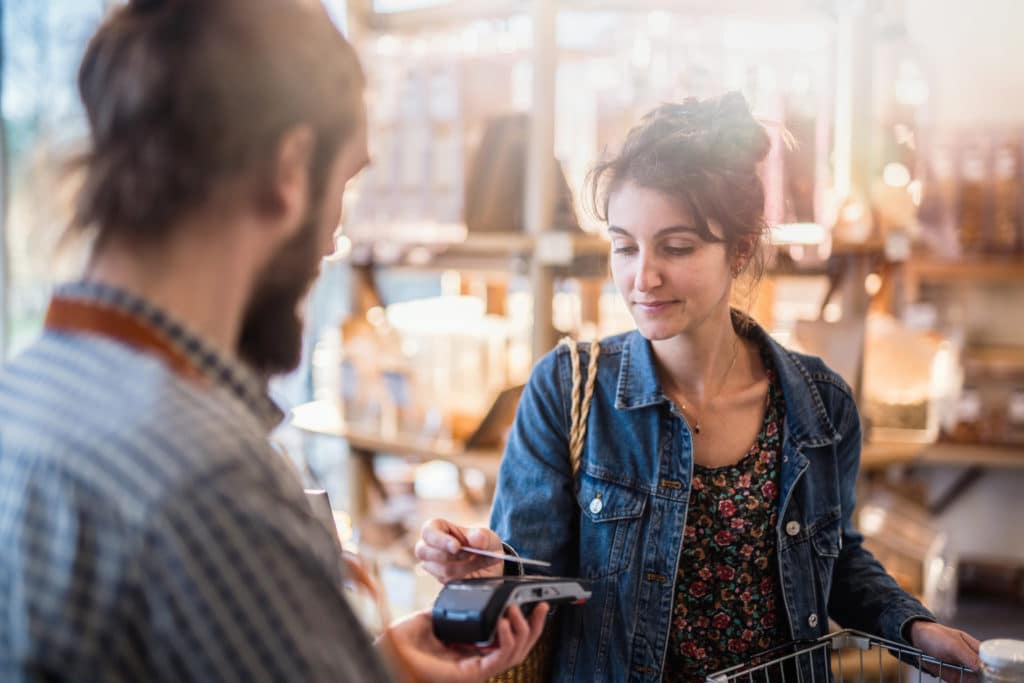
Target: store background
<point>969,55</point>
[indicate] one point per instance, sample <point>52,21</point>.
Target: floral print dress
<point>727,600</point>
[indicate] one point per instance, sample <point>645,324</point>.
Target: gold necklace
<point>696,416</point>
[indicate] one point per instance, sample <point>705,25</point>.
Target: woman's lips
<point>653,306</point>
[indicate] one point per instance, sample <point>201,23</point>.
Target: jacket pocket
<point>610,515</point>
<point>826,534</point>
<point>826,542</point>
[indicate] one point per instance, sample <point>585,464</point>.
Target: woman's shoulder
<point>553,373</point>
<point>795,368</point>
<point>609,349</point>
<point>818,372</point>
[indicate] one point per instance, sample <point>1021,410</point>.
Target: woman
<point>713,507</point>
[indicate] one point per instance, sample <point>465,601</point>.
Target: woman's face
<point>670,278</point>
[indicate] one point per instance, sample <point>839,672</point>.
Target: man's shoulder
<point>117,421</point>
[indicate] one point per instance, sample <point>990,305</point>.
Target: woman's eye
<point>678,251</point>
<point>624,249</point>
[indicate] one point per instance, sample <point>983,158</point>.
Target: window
<point>42,44</point>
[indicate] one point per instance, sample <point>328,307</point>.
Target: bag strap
<point>580,410</point>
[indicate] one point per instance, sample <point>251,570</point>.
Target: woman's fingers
<point>429,553</point>
<point>443,535</point>
<point>440,550</point>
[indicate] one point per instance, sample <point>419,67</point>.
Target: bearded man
<point>149,532</point>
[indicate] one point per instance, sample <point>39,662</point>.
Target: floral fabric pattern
<point>727,605</point>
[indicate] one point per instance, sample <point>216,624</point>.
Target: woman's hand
<point>947,644</point>
<point>428,660</point>
<point>440,545</point>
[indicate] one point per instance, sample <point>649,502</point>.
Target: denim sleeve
<point>864,596</point>
<point>534,509</point>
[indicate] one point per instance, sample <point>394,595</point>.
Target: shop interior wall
<point>973,57</point>
<point>975,62</point>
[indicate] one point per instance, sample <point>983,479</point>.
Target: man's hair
<point>183,96</point>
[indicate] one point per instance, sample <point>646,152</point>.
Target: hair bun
<point>717,133</point>
<point>738,137</point>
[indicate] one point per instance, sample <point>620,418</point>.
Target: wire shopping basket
<point>842,656</point>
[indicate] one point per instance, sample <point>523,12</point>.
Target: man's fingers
<point>537,621</point>
<point>514,638</point>
<point>520,633</point>
<point>499,659</point>
<point>536,627</point>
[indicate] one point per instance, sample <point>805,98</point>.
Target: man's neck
<point>203,286</point>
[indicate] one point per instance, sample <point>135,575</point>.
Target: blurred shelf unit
<point>881,455</point>
<point>444,13</point>
<point>988,269</point>
<point>323,418</point>
<point>452,247</point>
<point>446,78</point>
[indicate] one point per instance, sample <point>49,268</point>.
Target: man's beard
<point>271,337</point>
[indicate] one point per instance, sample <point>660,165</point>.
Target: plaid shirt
<point>149,532</point>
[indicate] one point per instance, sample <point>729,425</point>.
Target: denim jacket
<point>619,523</point>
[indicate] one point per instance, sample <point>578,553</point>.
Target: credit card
<point>507,558</point>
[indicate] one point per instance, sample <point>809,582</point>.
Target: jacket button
<point>595,506</point>
<point>812,620</point>
<point>793,528</point>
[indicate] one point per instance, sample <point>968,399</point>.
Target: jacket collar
<point>807,421</point>
<point>96,308</point>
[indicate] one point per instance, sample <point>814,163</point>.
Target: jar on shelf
<point>1006,200</point>
<point>973,200</point>
<point>1015,416</point>
<point>1002,661</point>
<point>967,426</point>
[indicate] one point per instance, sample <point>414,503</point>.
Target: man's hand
<point>948,645</point>
<point>439,550</point>
<point>428,660</point>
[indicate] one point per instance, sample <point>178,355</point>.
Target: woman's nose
<point>647,277</point>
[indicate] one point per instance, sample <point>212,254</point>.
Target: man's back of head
<point>184,97</point>
<point>222,133</point>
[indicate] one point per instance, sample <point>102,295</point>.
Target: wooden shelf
<point>456,12</point>
<point>323,418</point>
<point>875,455</point>
<point>973,269</point>
<point>504,252</point>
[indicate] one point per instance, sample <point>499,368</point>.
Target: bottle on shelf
<point>1002,661</point>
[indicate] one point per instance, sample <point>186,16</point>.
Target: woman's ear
<point>742,252</point>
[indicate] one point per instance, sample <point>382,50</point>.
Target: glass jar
<point>973,200</point>
<point>1002,661</point>
<point>1006,218</point>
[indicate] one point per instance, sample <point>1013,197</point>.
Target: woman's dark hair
<point>703,154</point>
<point>184,95</point>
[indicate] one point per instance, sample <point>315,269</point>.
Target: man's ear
<point>289,176</point>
